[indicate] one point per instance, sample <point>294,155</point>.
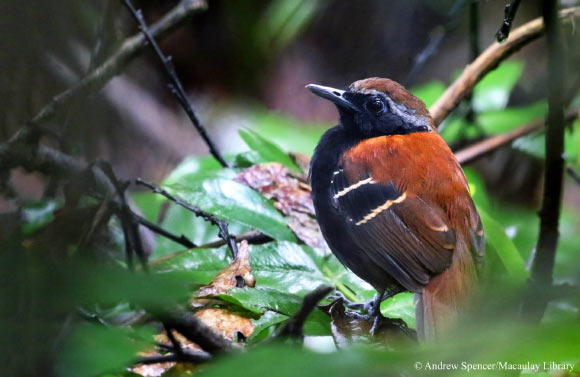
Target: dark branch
<point>130,227</point>
<point>221,224</point>
<point>195,330</point>
<point>185,357</point>
<point>175,84</point>
<point>294,327</point>
<point>511,8</point>
<point>543,260</point>
<point>115,64</point>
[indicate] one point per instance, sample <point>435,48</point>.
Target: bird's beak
<point>335,96</point>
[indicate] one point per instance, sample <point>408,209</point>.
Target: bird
<point>393,203</point>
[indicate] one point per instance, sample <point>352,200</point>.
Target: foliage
<point>285,270</point>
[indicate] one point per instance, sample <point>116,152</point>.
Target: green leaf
<point>430,92</point>
<point>287,267</point>
<point>94,349</point>
<point>288,132</point>
<point>493,91</point>
<point>505,248</point>
<point>199,266</point>
<point>267,150</point>
<point>232,201</point>
<point>191,166</point>
<point>264,325</point>
<point>496,122</point>
<point>261,300</point>
<point>400,306</point>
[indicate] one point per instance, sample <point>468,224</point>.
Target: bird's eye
<point>375,105</point>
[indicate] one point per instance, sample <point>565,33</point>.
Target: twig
<point>175,84</point>
<point>488,60</point>
<point>543,260</point>
<point>222,225</point>
<point>130,227</point>
<point>294,327</point>
<point>182,240</point>
<point>488,145</point>
<point>115,64</point>
<point>511,8</point>
<point>572,173</point>
<point>195,330</point>
<point>185,357</point>
<point>253,237</point>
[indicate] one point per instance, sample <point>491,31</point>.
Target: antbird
<point>393,203</point>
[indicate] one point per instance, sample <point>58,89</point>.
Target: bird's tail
<point>446,296</point>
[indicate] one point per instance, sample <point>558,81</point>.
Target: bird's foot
<point>365,306</point>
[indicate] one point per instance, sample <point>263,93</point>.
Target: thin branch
<point>182,240</point>
<point>488,60</point>
<point>511,8</point>
<point>543,260</point>
<point>130,227</point>
<point>222,225</point>
<point>115,64</point>
<point>175,84</point>
<point>294,327</point>
<point>195,330</point>
<point>185,357</point>
<point>488,145</point>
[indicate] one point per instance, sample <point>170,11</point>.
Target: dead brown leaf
<point>291,197</point>
<point>237,274</point>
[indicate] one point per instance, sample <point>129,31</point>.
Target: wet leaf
<point>232,201</point>
<point>350,327</point>
<point>261,300</point>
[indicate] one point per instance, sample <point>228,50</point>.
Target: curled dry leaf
<point>237,274</point>
<point>291,197</point>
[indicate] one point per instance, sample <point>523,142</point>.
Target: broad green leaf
<point>233,202</point>
<point>287,267</point>
<point>287,132</point>
<point>191,166</point>
<point>261,300</point>
<point>400,306</point>
<point>267,150</point>
<point>493,91</point>
<point>199,265</point>
<point>95,349</point>
<point>505,248</point>
<point>430,92</point>
<point>264,325</point>
<point>496,122</point>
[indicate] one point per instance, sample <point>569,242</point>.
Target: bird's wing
<point>409,238</point>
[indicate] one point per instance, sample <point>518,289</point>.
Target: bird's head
<point>376,107</point>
